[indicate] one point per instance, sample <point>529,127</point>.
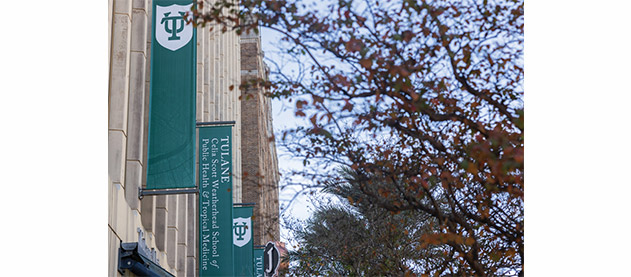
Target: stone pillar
<point>191,235</point>
<point>182,218</point>
<point>160,231</point>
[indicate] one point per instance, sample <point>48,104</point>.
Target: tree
<point>426,95</point>
<point>354,237</point>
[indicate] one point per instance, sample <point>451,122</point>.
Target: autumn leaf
<point>367,63</point>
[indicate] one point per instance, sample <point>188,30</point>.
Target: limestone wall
<point>167,222</point>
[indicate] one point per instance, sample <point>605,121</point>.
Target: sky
<point>284,118</point>
<point>293,206</point>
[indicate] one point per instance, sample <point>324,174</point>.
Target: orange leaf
<point>367,63</point>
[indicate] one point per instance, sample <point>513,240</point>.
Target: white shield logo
<point>172,32</point>
<point>241,231</point>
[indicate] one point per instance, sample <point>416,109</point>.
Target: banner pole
<point>143,192</point>
<point>216,123</point>
<point>244,204</point>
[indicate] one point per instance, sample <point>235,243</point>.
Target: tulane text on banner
<point>258,262</point>
<point>215,201</point>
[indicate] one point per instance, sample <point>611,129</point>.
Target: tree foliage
<point>356,237</point>
<point>424,95</point>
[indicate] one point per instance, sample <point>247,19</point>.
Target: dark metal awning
<point>129,258</point>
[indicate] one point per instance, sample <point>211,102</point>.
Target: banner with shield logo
<point>242,241</point>
<point>171,138</point>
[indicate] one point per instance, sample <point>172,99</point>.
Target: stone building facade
<point>167,224</point>
<point>260,181</point>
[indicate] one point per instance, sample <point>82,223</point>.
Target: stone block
<point>163,262</point>
<point>139,31</point>
<point>136,113</point>
<point>171,246</point>
<point>110,13</point>
<point>111,200</point>
<point>180,260</point>
<point>122,6</point>
<point>148,63</point>
<point>200,78</point>
<point>182,218</point>
<point>199,111</point>
<point>208,102</point>
<point>116,156</point>
<point>161,228</point>
<point>161,201</point>
<point>149,10</point>
<point>133,181</point>
<point>191,267</point>
<point>111,203</point>
<point>207,64</point>
<point>120,211</point>
<point>113,243</point>
<point>191,229</point>
<point>147,209</point>
<point>139,4</point>
<point>131,226</point>
<point>200,44</point>
<point>145,129</point>
<point>119,73</point>
<point>172,208</point>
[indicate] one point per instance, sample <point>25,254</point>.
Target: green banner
<point>171,138</point>
<point>215,201</point>
<point>242,241</point>
<point>258,262</point>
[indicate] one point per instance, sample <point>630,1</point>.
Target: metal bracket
<point>143,192</point>
<point>244,204</point>
<point>216,123</point>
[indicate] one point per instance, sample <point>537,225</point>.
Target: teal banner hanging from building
<point>242,241</point>
<point>215,201</point>
<point>171,138</point>
<point>258,262</point>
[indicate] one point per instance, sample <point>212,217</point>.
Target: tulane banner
<point>215,201</point>
<point>258,262</point>
<point>242,240</point>
<point>171,150</point>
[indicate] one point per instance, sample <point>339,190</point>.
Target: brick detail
<point>259,161</point>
